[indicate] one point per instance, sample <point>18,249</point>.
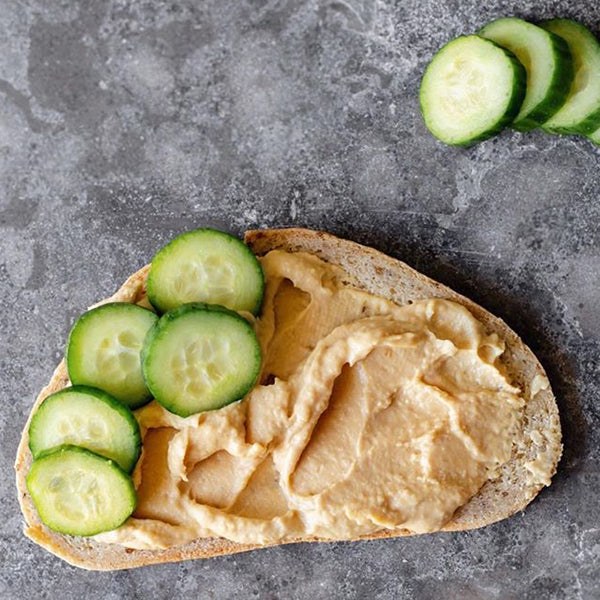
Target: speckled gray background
<point>124,123</point>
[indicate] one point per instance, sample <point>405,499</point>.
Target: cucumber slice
<point>78,492</point>
<point>581,111</point>
<point>103,351</point>
<point>206,266</point>
<point>595,136</point>
<point>90,418</point>
<point>200,357</point>
<point>547,60</point>
<point>471,90</point>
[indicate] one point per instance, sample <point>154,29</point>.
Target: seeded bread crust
<point>538,441</point>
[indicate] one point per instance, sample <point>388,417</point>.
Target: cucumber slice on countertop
<point>206,266</point>
<point>78,492</point>
<point>471,90</point>
<point>90,418</point>
<point>547,60</point>
<point>581,111</point>
<point>200,357</point>
<point>104,347</point>
<point>595,136</point>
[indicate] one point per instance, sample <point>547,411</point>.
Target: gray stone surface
<point>124,123</point>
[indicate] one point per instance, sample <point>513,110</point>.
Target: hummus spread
<point>368,416</point>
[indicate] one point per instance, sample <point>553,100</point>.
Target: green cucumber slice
<point>90,418</point>
<point>200,357</point>
<point>206,266</point>
<point>471,90</point>
<point>77,492</point>
<point>595,136</point>
<point>547,60</point>
<point>104,347</point>
<point>581,111</point>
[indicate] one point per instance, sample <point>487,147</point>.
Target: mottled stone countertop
<point>123,123</point>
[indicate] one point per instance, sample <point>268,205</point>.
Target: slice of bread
<point>536,451</point>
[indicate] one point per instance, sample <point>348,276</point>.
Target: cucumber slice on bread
<point>471,90</point>
<point>77,492</point>
<point>581,111</point>
<point>206,266</point>
<point>200,357</point>
<point>89,418</point>
<point>104,347</point>
<point>547,60</point>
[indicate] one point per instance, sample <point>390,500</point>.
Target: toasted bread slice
<point>536,451</point>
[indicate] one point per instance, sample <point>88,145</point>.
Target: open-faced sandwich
<point>297,387</point>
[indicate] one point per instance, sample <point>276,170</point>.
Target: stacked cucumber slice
<point>78,492</point>
<point>84,443</point>
<point>206,266</point>
<point>471,90</point>
<point>90,418</point>
<point>199,355</point>
<point>518,74</point>
<point>104,350</point>
<point>581,111</point>
<point>547,61</point>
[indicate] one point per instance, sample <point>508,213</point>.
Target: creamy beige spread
<point>368,415</point>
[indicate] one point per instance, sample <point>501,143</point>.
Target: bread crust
<point>538,440</point>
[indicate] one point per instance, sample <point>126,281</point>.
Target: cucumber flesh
<point>89,418</point>
<point>206,266</point>
<point>548,62</point>
<point>104,347</point>
<point>581,111</point>
<point>77,492</point>
<point>471,90</point>
<point>200,357</point>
